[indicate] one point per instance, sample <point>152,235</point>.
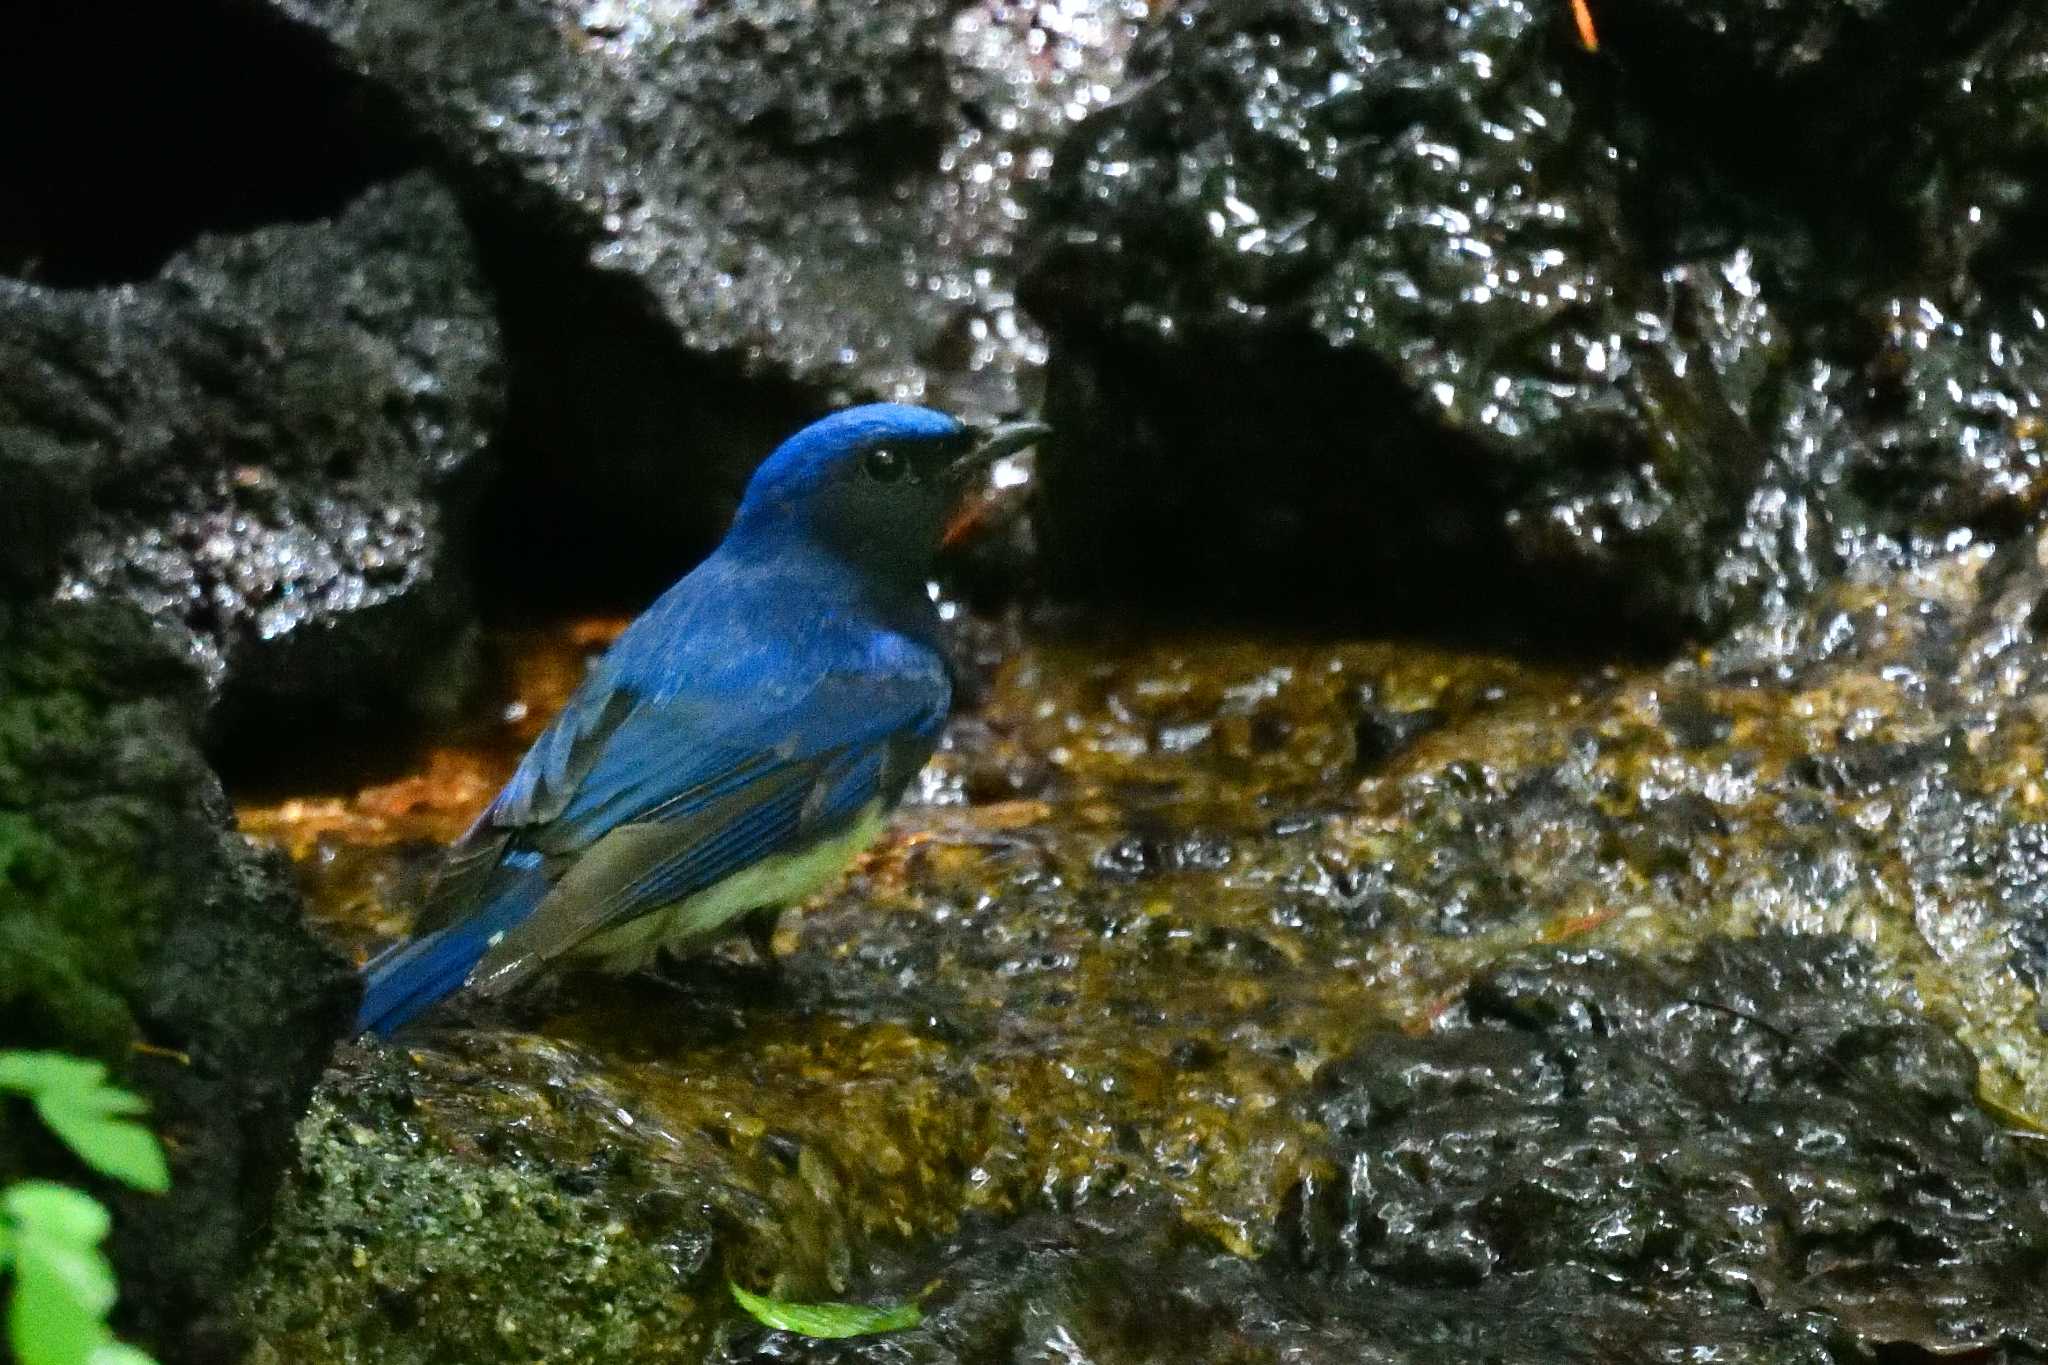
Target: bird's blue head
<point>874,484</point>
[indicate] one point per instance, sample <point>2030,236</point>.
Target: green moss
<point>136,928</point>
<point>101,806</point>
<point>399,1246</point>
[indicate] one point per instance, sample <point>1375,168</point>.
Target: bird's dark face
<point>875,484</point>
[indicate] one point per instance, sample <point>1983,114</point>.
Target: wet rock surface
<point>820,193</point>
<point>1415,305</point>
<point>1285,998</point>
<point>136,927</point>
<point>1589,1158</point>
<point>269,447</point>
<point>1218,995</point>
<point>1770,1164</point>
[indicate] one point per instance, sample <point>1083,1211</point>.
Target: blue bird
<point>736,746</point>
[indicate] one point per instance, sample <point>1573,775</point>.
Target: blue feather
<point>412,976</point>
<point>761,705</point>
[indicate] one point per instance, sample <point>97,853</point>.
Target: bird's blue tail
<point>411,977</point>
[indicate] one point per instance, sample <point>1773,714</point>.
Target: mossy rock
<point>138,928</point>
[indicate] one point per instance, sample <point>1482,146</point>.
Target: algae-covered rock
<point>505,1250</point>
<point>1428,310</point>
<point>1590,1158</point>
<point>1173,922</point>
<point>267,447</point>
<point>819,192</point>
<point>137,928</point>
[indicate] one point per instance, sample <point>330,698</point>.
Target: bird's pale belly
<point>783,879</point>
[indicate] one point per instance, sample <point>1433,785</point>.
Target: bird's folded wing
<point>537,792</point>
<point>611,756</point>
<point>672,803</point>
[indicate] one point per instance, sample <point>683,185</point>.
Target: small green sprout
<point>826,1319</point>
<point>50,1234</point>
<point>50,1237</point>
<point>96,1120</point>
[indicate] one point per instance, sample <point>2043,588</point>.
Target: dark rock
<point>1776,1152</point>
<point>1953,392</point>
<point>1876,46</point>
<point>130,128</point>
<point>1426,310</point>
<point>1046,1008</point>
<point>266,446</point>
<point>823,193</point>
<point>1384,731</point>
<point>1692,723</point>
<point>137,927</point>
<point>1595,1159</point>
<point>1391,245</point>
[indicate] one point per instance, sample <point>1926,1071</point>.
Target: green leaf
<point>92,1117</point>
<point>32,1073</point>
<point>43,1208</point>
<point>126,1151</point>
<point>63,1283</point>
<point>120,1353</point>
<point>826,1319</point>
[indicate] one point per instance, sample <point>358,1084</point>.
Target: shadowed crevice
<point>132,127</point>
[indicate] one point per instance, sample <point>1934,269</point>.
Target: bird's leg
<point>759,926</point>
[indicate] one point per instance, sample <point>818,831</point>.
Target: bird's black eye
<point>883,466</point>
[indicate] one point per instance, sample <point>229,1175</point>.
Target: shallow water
<point>1147,893</point>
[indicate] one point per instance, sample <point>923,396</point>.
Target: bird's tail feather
<point>409,978</point>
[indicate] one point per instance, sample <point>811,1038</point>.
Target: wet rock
<point>1427,311</point>
<point>1082,1288</point>
<point>1163,907</point>
<point>1383,732</point>
<point>1592,1158</point>
<point>1169,908</point>
<point>1760,1152</point>
<point>1954,395</point>
<point>136,927</point>
<point>267,447</point>
<point>1389,243</point>
<point>819,193</point>
<point>601,1273</point>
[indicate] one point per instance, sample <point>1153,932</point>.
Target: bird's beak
<point>992,444</point>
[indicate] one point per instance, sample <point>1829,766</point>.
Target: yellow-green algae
<point>1147,889</point>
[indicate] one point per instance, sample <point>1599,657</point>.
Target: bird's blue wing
<point>668,810</point>
<point>628,741</point>
<point>475,869</point>
<point>700,743</point>
<point>516,896</point>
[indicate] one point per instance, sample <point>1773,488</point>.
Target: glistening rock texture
<point>825,193</point>
<point>1426,308</point>
<point>1588,1159</point>
<point>1353,958</point>
<point>134,926</point>
<point>268,447</point>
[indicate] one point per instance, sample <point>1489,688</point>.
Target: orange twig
<point>1584,18</point>
<point>1561,930</point>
